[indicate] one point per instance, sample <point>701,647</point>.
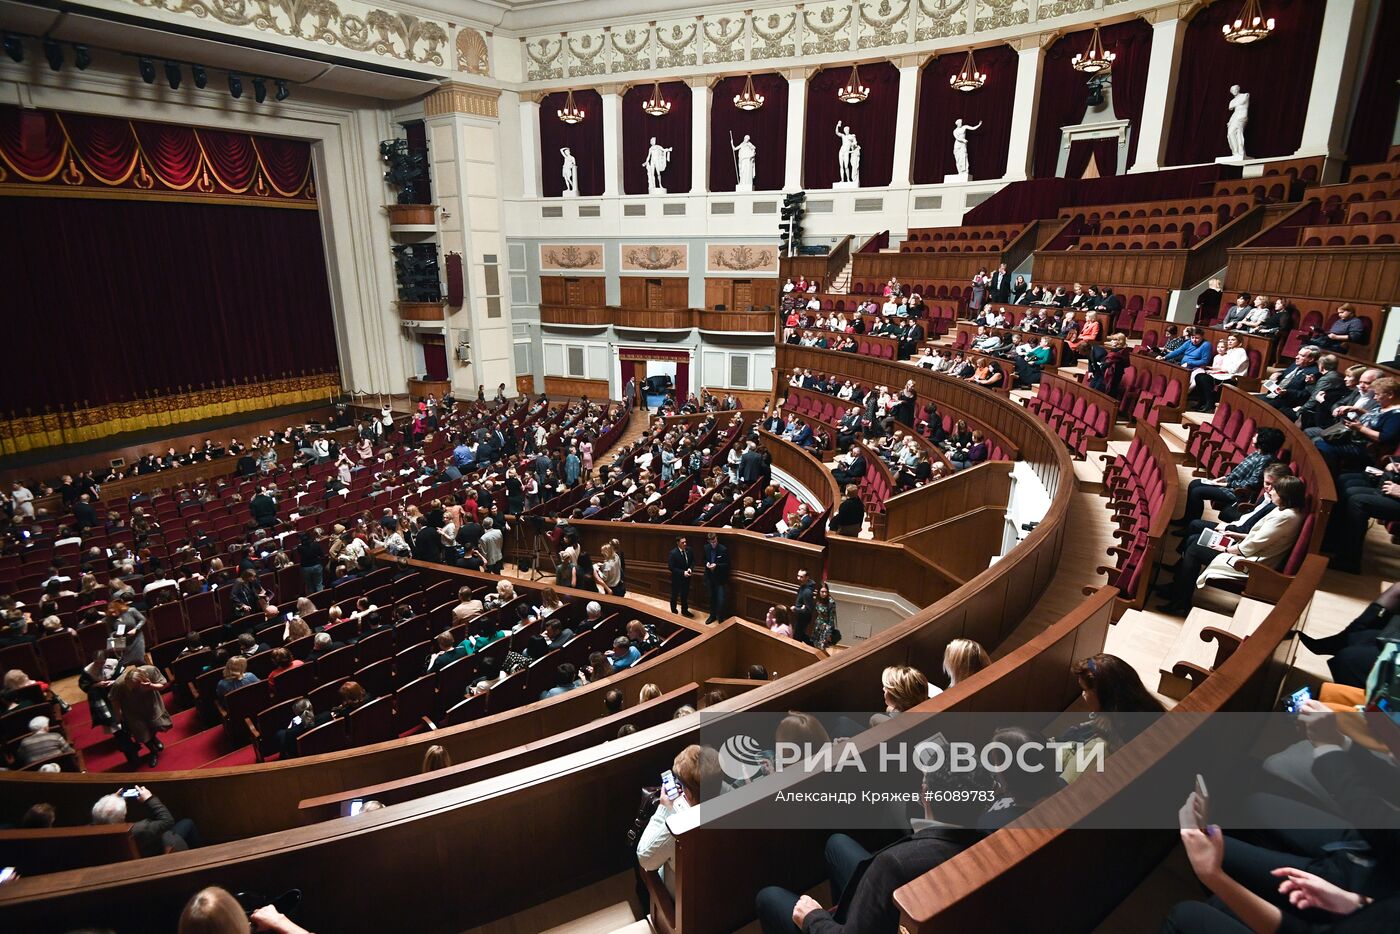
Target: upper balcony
<point>651,319</point>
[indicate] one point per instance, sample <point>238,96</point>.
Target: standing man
<point>716,575</point>
<point>492,545</point>
<point>1000,289</point>
<point>680,563</point>
<point>804,605</point>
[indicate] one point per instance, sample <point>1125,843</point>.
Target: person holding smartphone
<point>156,835</point>
<point>694,776</point>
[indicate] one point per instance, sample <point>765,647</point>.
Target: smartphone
<point>1295,700</point>
<point>1203,800</point>
<point>130,793</point>
<point>356,806</point>
<point>1375,471</point>
<point>669,786</point>
<point>8,874</point>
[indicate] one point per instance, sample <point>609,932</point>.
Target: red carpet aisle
<point>188,744</point>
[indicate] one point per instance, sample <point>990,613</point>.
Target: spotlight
<point>235,86</point>
<point>148,70</point>
<point>54,53</point>
<point>282,92</point>
<point>260,89</point>
<point>200,77</point>
<point>172,75</point>
<point>14,48</point>
<point>82,57</point>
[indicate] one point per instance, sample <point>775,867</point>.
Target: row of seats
<point>1141,488</point>
<point>1081,417</point>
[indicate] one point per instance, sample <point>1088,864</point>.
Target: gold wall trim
<point>11,190</point>
<point>455,97</point>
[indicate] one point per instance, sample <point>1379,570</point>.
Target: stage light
<point>82,57</point>
<point>235,86</point>
<point>260,89</point>
<point>200,77</point>
<point>147,69</point>
<point>282,92</point>
<point>14,47</point>
<point>172,75</point>
<point>54,53</point>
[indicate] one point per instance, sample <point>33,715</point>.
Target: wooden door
<point>574,292</point>
<point>743,294</point>
<point>655,297</point>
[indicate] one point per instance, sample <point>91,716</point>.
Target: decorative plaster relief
<point>661,257</point>
<point>572,257</point>
<point>741,257</point>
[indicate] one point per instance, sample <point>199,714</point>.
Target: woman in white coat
<point>1228,366</point>
<point>1271,530</point>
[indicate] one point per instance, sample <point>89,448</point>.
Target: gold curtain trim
<point>72,147</point>
<point>209,164</point>
<point>301,186</point>
<point>50,429</point>
<point>12,189</point>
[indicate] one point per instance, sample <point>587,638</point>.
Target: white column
<point>1022,146</point>
<point>796,130</point>
<point>1153,130</point>
<point>1338,57</point>
<point>612,142</point>
<point>699,136</point>
<point>530,147</point>
<point>904,122</point>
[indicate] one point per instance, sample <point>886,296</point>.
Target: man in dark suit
<point>1326,393</point>
<point>84,514</point>
<point>716,575</point>
<point>264,509</point>
<point>804,605</point>
<point>909,341</point>
<point>999,290</point>
<point>853,469</point>
<point>750,464</point>
<point>862,884</point>
<point>850,515</point>
<point>680,563</point>
<point>1293,386</point>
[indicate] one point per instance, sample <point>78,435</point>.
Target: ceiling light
<point>854,92</point>
<point>14,47</point>
<point>657,106</point>
<point>570,112</point>
<point>82,57</point>
<point>1249,26</point>
<point>748,98</point>
<point>172,75</point>
<point>54,53</point>
<point>260,89</point>
<point>147,69</point>
<point>282,92</point>
<point>968,77</point>
<point>1095,58</point>
<point>201,78</point>
<point>235,86</point>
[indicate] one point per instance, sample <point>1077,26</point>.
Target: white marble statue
<point>658,157</point>
<point>570,172</point>
<point>1239,117</point>
<point>960,131</point>
<point>746,162</point>
<point>848,157</point>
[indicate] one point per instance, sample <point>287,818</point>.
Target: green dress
<point>824,632</point>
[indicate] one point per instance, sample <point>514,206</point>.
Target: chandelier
<point>969,78</point>
<point>854,92</point>
<point>1095,58</point>
<point>657,105</point>
<point>1249,26</point>
<point>570,113</point>
<point>748,99</point>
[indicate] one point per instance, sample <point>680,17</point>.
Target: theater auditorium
<point>651,467</point>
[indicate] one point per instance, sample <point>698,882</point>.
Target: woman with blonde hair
<point>550,602</point>
<point>607,574</point>
<point>214,911</point>
<point>649,692</point>
<point>903,687</point>
<point>962,659</point>
<point>435,758</point>
<point>296,628</point>
<point>505,590</point>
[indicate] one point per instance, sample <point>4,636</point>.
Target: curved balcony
<point>651,319</point>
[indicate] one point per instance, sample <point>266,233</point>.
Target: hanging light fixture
<point>968,77</point>
<point>854,92</point>
<point>657,105</point>
<point>1095,58</point>
<point>570,112</point>
<point>1249,26</point>
<point>748,98</point>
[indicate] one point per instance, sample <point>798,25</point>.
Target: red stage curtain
<point>1374,120</point>
<point>766,128</point>
<point>106,146</point>
<point>682,381</point>
<point>990,105</point>
<point>31,143</point>
<point>231,157</point>
<point>126,299</point>
<point>172,153</point>
<point>1277,73</point>
<point>873,121</point>
<point>1103,149</point>
<point>672,130</point>
<point>585,140</point>
<point>1063,95</point>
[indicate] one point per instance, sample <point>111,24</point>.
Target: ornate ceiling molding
<point>454,97</point>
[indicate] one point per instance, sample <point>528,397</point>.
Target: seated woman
<point>352,698</point>
<point>976,453</point>
<point>236,675</point>
<point>962,659</point>
<point>1231,363</point>
<point>1351,450</point>
<point>779,621</point>
<point>987,374</point>
<point>1114,692</point>
<point>902,688</point>
<point>1029,364</point>
<point>1089,333</point>
<point>1106,375</point>
<point>1270,538</point>
<point>282,661</point>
